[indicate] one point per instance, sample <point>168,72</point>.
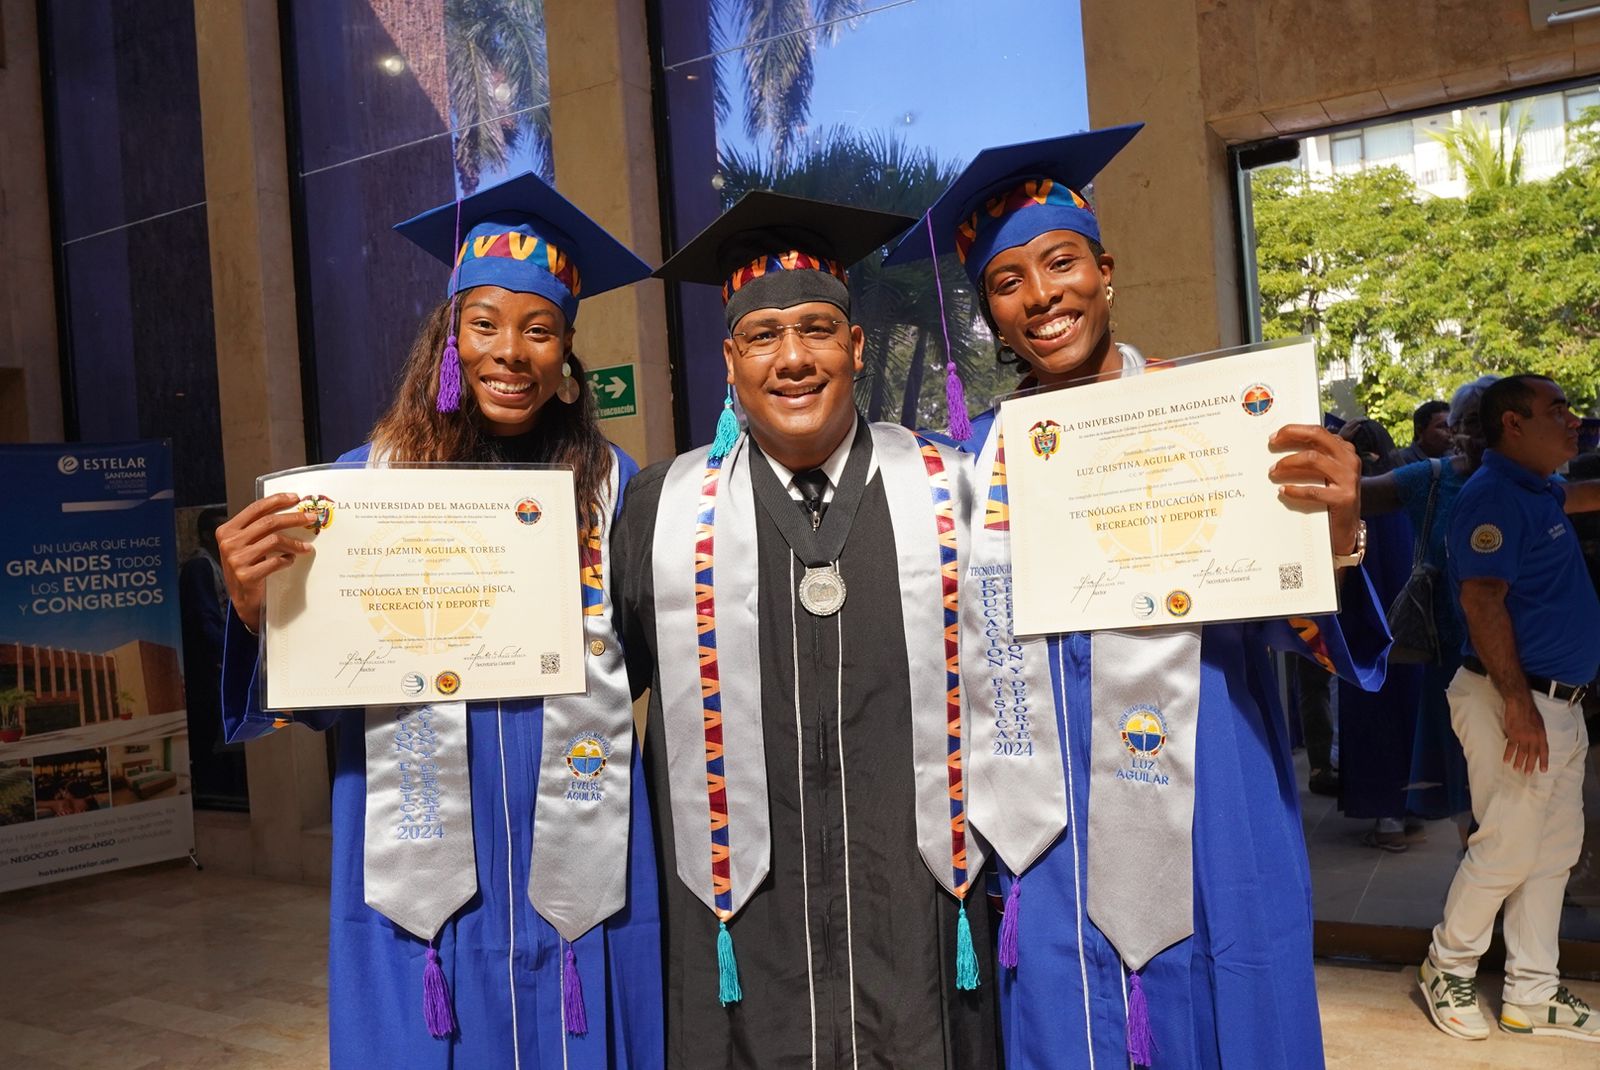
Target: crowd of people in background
<point>1397,761</point>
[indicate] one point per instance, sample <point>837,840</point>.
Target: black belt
<point>1539,685</point>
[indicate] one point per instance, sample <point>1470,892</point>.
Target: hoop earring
<point>1111,295</point>
<point>568,390</point>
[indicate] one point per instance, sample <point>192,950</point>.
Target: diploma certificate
<point>1145,500</point>
<point>427,584</point>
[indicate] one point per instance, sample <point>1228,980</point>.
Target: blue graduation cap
<point>1011,194</point>
<point>523,235</point>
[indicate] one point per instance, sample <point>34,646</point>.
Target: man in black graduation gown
<point>851,951</point>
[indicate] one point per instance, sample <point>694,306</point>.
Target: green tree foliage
<point>780,39</point>
<point>1487,161</point>
<point>1424,293</point>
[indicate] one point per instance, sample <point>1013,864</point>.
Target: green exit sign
<point>614,391</point>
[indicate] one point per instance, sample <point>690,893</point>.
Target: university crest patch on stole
<point>586,755</point>
<point>1144,734</point>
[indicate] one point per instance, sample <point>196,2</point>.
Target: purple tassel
<point>955,395</point>
<point>436,999</point>
<point>1141,1041</point>
<point>1008,925</point>
<point>450,375</point>
<point>450,364</point>
<point>572,996</point>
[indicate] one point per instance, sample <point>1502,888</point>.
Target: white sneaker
<point>1563,1014</point>
<point>1452,1002</point>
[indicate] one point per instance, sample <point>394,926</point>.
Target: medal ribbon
<point>821,546</point>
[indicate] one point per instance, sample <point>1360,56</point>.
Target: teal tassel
<point>728,969</point>
<point>727,435</point>
<point>966,958</point>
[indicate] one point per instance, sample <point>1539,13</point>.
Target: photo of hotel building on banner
<point>62,712</point>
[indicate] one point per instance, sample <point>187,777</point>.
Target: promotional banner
<point>94,746</point>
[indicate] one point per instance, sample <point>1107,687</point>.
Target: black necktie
<point>811,484</point>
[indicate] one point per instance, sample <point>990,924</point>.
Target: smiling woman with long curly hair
<point>480,952</point>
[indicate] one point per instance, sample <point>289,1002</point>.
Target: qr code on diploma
<point>549,664</point>
<point>1290,577</point>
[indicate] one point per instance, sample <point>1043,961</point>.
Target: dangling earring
<point>1111,295</point>
<point>568,390</point>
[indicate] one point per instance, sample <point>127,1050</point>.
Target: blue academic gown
<point>1240,994</point>
<point>500,958</point>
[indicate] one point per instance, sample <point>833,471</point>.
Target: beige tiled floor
<point>164,968</point>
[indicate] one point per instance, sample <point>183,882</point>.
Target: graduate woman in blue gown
<point>1233,987</point>
<point>492,377</point>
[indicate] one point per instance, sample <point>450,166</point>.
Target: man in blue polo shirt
<point>1533,625</point>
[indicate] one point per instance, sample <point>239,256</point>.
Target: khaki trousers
<point>1530,831</point>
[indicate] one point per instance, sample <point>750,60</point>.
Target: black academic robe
<point>901,946</point>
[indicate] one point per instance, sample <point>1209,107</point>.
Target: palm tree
<point>1488,162</point>
<point>495,56</point>
<point>898,308</point>
<point>777,42</point>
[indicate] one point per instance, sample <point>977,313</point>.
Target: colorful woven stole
<point>917,475</point>
<point>706,616</point>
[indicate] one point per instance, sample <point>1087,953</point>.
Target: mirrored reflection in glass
<point>377,75</point>
<point>399,106</point>
<point>129,180</point>
<point>881,111</point>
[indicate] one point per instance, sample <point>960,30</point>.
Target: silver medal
<point>822,590</point>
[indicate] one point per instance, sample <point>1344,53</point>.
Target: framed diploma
<point>1145,501</point>
<point>427,584</point>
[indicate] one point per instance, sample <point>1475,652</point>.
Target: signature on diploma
<point>1214,571</point>
<point>1092,585</point>
<point>488,655</point>
<point>358,662</point>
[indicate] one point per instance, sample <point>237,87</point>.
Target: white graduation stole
<point>418,862</point>
<point>707,653</point>
<point>1144,695</point>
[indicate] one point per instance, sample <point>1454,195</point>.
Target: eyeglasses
<point>766,341</point>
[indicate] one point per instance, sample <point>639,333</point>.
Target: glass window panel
<point>1386,819</point>
<point>881,126</point>
<point>1580,99</point>
<point>1346,153</point>
<point>396,105</point>
<point>129,178</point>
<point>1390,145</point>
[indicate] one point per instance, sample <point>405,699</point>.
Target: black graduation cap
<point>771,250</point>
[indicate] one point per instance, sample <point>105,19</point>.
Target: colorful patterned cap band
<point>998,211</point>
<point>1016,217</point>
<point>1010,194</point>
<point>792,260</point>
<point>524,236</point>
<point>499,252</point>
